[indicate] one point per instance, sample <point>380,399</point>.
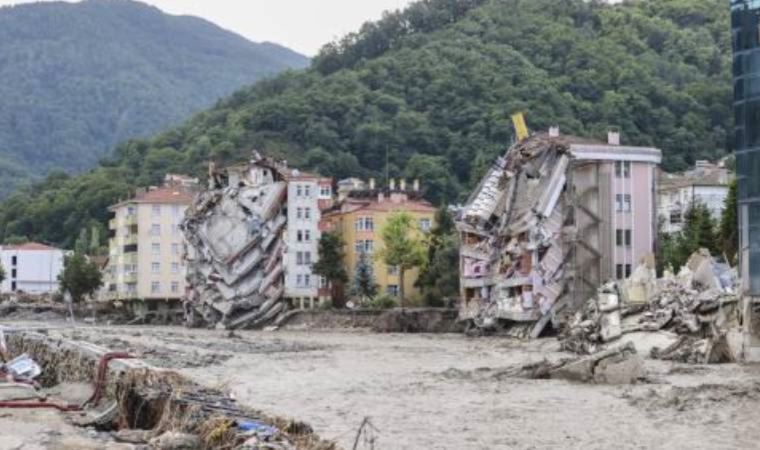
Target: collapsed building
<point>552,220</point>
<point>234,234</point>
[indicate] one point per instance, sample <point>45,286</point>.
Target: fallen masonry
<point>140,404</point>
<point>699,307</point>
<point>235,241</point>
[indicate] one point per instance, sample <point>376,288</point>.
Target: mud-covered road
<point>451,392</point>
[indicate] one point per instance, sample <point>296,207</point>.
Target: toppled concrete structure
<point>235,241</point>
<point>699,307</point>
<point>541,232</point>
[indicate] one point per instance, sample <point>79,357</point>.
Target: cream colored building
<point>145,248</point>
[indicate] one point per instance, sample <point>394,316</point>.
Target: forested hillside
<point>434,86</point>
<point>77,79</point>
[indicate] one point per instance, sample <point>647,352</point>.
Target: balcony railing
<point>130,240</point>
<point>130,277</point>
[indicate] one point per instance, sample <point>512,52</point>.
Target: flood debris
<point>700,305</point>
<point>235,241</point>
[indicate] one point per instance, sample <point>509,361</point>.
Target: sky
<point>302,25</point>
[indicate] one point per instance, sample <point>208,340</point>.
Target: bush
<point>382,302</point>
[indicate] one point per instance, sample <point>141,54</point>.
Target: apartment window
<point>675,218</point>
<point>155,287</point>
<point>425,224</point>
<point>299,190</point>
<point>175,267</point>
<point>365,224</point>
<point>325,191</point>
<point>623,238</point>
<point>623,202</point>
<point>299,236</point>
<point>13,286</point>
<point>14,260</point>
<point>175,249</point>
<point>156,210</point>
<point>131,211</point>
<point>307,280</point>
<point>619,271</point>
<point>307,258</point>
<point>307,191</point>
<point>155,267</point>
<point>623,169</point>
<point>307,235</point>
<point>175,287</point>
<point>307,213</point>
<point>155,248</point>
<point>299,280</point>
<point>155,230</point>
<point>14,273</point>
<point>392,290</point>
<point>299,213</point>
<point>367,246</point>
<point>392,270</point>
<point>323,283</point>
<point>627,270</point>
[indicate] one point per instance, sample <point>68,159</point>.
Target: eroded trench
<point>128,394</point>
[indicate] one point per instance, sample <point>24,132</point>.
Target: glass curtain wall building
<point>745,25</point>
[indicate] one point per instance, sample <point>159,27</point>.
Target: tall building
<point>308,196</point>
<point>359,219</point>
<point>145,265</point>
<point>745,23</point>
<point>552,220</point>
<point>31,268</point>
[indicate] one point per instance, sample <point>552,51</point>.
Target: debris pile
<point>699,305</point>
<point>235,241</point>
<point>513,255</point>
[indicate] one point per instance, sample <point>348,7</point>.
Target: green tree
<point>2,273</point>
<point>331,266</point>
<point>729,226</point>
<point>403,246</point>
<point>698,232</point>
<point>364,285</point>
<point>80,277</point>
<point>439,277</point>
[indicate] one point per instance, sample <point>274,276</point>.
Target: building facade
<point>707,184</point>
<point>308,196</point>
<point>552,220</point>
<point>745,20</point>
<point>31,268</point>
<point>146,249</point>
<point>359,219</point>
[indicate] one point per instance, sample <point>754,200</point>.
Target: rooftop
<point>29,246</point>
<point>163,195</point>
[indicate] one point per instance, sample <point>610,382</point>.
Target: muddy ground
<point>451,392</point>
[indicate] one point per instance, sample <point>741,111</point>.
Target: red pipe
<point>100,381</point>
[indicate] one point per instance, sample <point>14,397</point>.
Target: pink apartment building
<point>552,220</point>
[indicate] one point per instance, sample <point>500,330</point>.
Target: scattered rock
<point>176,441</point>
<point>132,436</point>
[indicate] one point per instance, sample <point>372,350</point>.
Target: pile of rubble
<point>699,306</point>
<point>513,256</point>
<point>235,241</point>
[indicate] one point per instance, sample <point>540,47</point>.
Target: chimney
<point>371,184</point>
<point>613,137</point>
<point>416,185</point>
<point>402,184</point>
<point>392,184</point>
<point>554,131</point>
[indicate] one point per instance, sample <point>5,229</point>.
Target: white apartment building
<point>145,248</point>
<point>31,268</point>
<point>308,195</point>
<point>707,184</point>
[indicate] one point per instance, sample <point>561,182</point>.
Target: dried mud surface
<point>452,392</point>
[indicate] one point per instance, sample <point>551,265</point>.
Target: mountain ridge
<point>79,78</point>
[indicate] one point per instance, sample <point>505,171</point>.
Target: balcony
<point>130,277</point>
<point>129,258</point>
<point>130,240</point>
<point>130,220</point>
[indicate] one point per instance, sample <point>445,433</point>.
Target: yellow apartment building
<point>360,219</point>
<point>145,264</point>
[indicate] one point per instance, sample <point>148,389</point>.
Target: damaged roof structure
<point>553,219</point>
<point>234,232</point>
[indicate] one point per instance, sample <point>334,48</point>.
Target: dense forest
<point>431,89</point>
<point>77,79</point>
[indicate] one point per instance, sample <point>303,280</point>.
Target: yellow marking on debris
<point>518,119</point>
